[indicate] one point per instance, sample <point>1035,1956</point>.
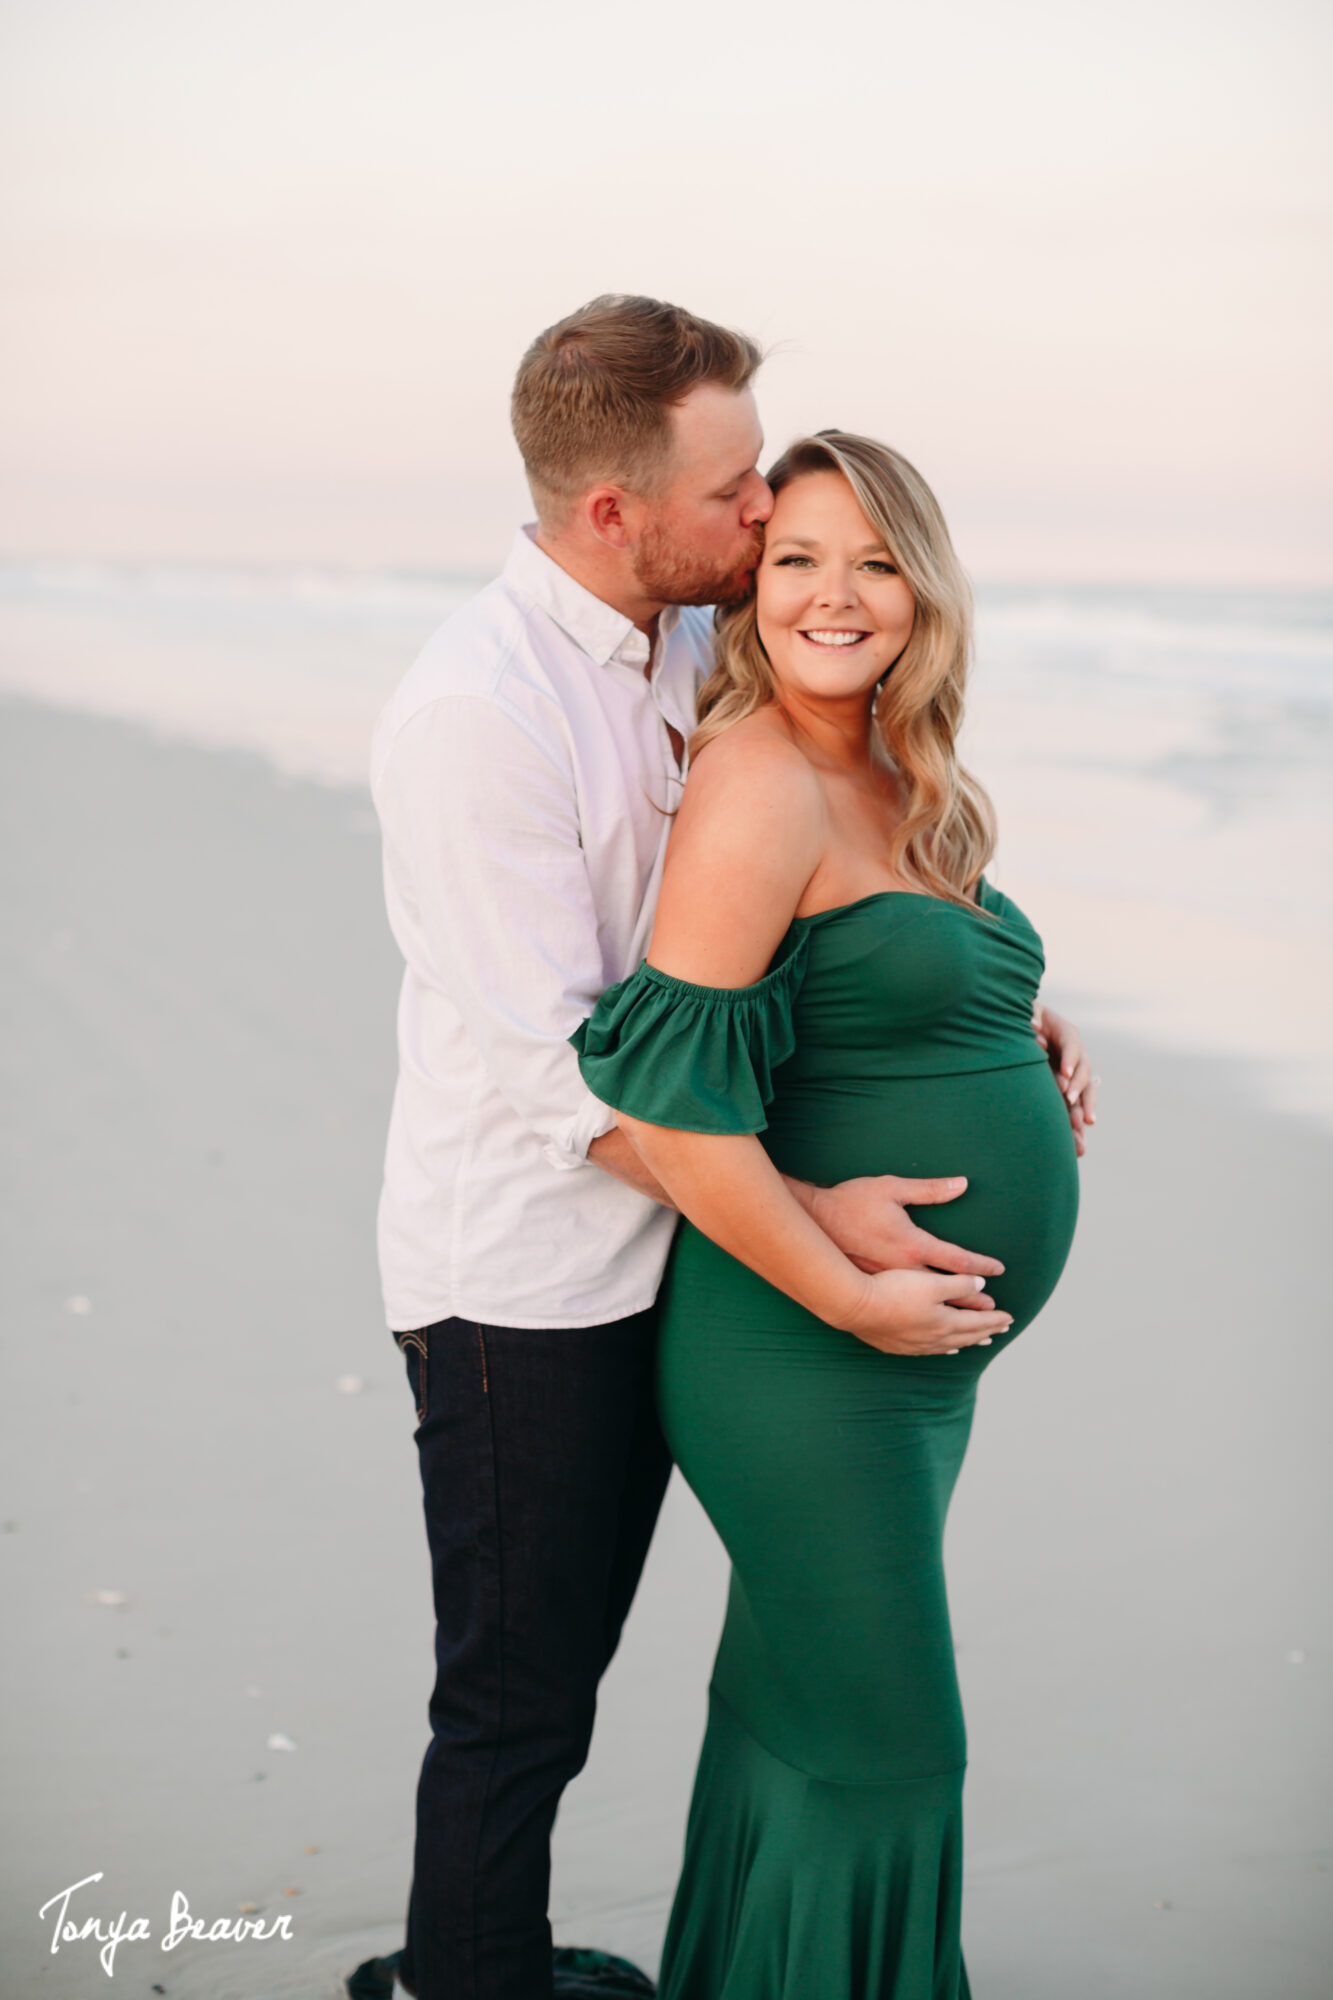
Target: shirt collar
<point>601,631</point>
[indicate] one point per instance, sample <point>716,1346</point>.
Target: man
<point>524,774</point>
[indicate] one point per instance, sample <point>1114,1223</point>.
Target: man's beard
<point>676,575</point>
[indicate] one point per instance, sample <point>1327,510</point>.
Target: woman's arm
<point>730,1189</point>
<point>749,835</point>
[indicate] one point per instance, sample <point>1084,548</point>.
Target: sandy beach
<point>215,1579</point>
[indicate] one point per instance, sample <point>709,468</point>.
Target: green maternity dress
<point>823,1859</point>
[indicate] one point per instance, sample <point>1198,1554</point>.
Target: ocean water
<point>1160,760</point>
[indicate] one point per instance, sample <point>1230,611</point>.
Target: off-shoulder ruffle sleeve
<point>695,1058</point>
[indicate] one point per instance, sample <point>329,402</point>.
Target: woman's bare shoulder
<point>749,834</point>
<point>757,753</point>
<point>750,786</point>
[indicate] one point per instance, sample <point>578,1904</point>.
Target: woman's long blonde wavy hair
<point>947,833</point>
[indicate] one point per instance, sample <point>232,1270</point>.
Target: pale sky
<point>270,264</point>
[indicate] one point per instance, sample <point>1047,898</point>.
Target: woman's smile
<point>835,639</point>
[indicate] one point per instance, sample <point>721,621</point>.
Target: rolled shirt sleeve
<point>491,903</point>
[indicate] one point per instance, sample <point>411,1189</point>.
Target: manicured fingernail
<point>956,1181</point>
<point>985,1342</point>
<point>980,1284</point>
<point>951,1350</point>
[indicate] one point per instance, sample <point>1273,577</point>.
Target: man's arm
<point>482,839</point>
<point>615,1154</point>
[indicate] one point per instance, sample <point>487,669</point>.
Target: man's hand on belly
<point>1068,1058</point>
<point>867,1219</point>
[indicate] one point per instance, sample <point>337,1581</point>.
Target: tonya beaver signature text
<point>112,1932</point>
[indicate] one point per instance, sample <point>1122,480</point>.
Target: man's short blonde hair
<point>593,394</point>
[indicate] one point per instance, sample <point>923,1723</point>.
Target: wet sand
<point>199,990</point>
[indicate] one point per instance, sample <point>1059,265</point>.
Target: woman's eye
<point>790,562</point>
<point>883,568</point>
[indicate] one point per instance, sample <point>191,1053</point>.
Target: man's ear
<point>603,509</point>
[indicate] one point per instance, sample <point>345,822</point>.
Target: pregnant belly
<point>1007,1130</point>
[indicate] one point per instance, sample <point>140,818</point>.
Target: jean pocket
<point>415,1349</point>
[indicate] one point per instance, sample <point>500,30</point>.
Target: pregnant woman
<point>834,989</point>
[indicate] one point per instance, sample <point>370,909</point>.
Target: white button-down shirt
<point>524,778</point>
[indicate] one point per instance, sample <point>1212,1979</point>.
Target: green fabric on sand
<point>576,1974</point>
<point>823,1858</point>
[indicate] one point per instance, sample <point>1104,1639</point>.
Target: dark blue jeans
<point>542,1469</point>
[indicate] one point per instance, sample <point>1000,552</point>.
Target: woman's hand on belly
<point>920,1312</point>
<point>727,1186</point>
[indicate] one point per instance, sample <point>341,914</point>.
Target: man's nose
<point>759,505</point>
